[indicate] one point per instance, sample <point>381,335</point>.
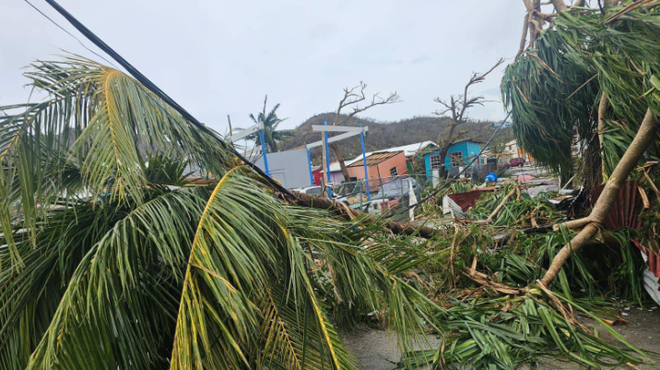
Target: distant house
<point>511,147</point>
<point>459,154</point>
<point>515,151</point>
<point>336,177</point>
<point>317,174</point>
<point>383,165</point>
<point>413,152</point>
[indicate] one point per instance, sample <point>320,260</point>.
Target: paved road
<point>377,349</point>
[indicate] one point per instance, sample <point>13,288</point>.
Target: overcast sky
<point>221,57</point>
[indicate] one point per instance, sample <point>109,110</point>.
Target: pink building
<point>385,165</point>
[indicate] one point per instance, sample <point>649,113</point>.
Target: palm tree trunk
<point>348,213</point>
<point>643,139</point>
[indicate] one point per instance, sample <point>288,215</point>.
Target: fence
<point>386,194</point>
<point>389,194</point>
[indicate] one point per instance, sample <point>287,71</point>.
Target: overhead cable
<point>158,92</point>
<point>447,183</point>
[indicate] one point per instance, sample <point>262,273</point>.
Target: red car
<point>517,162</point>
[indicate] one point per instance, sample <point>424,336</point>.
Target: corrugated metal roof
<point>469,199</point>
<point>625,211</point>
<point>376,158</point>
<point>410,149</point>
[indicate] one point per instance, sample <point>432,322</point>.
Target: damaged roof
<point>376,158</point>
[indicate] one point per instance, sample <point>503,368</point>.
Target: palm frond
<point>554,88</point>
<point>110,258</point>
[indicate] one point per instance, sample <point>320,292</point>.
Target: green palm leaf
<point>112,258</point>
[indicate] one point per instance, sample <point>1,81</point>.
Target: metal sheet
<point>626,209</point>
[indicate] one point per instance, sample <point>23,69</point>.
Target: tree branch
<point>499,207</point>
<point>523,37</point>
<point>559,5</point>
<point>644,137</point>
<point>355,95</point>
<point>349,214</point>
<point>352,98</point>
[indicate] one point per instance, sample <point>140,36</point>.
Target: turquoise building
<point>459,154</point>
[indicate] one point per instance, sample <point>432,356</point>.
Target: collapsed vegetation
<point>497,313</point>
<point>115,256</point>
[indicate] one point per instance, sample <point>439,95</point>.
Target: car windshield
<point>314,191</point>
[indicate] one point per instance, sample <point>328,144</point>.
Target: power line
<point>69,33</point>
<point>447,183</point>
<point>155,89</point>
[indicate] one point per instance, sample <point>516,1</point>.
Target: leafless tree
<point>455,111</point>
<point>356,100</point>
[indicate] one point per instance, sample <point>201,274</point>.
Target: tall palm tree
<point>270,121</point>
<point>113,258</point>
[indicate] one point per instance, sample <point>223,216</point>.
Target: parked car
<point>519,162</point>
<point>317,191</point>
<point>398,188</point>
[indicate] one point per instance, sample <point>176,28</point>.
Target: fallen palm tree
<point>591,77</point>
<point>113,261</point>
<point>496,311</point>
<point>112,258</point>
<point>590,74</point>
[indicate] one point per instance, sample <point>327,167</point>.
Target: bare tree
<point>455,110</point>
<point>355,99</point>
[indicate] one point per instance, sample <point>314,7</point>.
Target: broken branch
<point>596,218</point>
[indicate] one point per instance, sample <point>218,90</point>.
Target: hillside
<point>391,134</point>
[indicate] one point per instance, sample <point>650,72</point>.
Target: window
<point>393,171</point>
<point>435,161</point>
<point>456,158</point>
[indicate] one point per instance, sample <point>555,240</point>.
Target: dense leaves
<point>554,88</point>
<point>131,241</point>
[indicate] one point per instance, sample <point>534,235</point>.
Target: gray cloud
<point>219,58</point>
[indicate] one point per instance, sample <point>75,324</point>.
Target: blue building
<point>459,154</point>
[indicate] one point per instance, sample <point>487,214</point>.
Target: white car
<point>317,191</point>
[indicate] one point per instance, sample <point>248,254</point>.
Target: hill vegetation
<point>383,135</point>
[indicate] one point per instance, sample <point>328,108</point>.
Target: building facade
<point>384,165</point>
<point>290,168</point>
<point>459,154</point>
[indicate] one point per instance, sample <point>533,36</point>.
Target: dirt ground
<point>377,350</point>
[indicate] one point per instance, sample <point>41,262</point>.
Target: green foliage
<point>518,213</point>
<point>112,257</point>
<point>270,120</point>
<point>505,333</point>
<point>554,88</point>
<point>481,329</point>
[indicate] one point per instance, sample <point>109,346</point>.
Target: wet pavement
<point>377,349</point>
